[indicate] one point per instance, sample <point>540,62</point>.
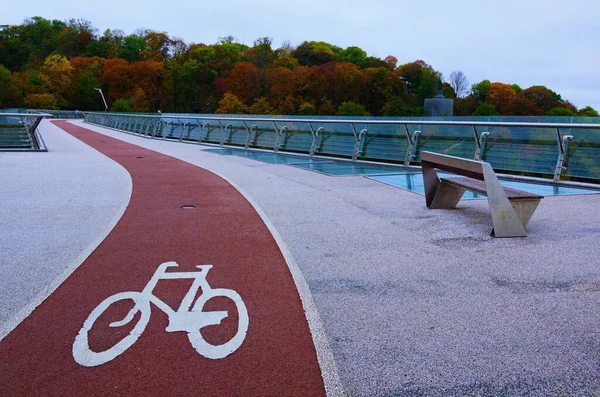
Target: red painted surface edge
<point>276,358</point>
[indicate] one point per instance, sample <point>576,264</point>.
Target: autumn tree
<point>502,96</point>
<point>230,104</point>
<point>41,101</point>
<point>525,107</point>
<point>392,61</point>
<point>244,82</point>
<point>261,106</point>
<point>381,85</point>
<point>544,98</point>
<point>283,85</point>
<point>116,79</point>
<point>313,53</point>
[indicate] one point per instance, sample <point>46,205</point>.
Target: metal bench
<point>511,208</point>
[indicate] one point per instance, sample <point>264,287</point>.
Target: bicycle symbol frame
<point>183,319</point>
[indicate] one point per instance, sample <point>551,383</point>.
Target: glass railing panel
<point>237,135</point>
<point>297,138</point>
<point>265,136</point>
<point>583,152</point>
<point>384,142</point>
<point>522,150</point>
<point>336,139</point>
<point>453,140</point>
<point>213,132</point>
<point>193,132</point>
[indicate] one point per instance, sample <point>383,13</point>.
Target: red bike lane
<point>276,356</point>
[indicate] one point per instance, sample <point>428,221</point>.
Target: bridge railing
<point>19,131</point>
<point>558,150</point>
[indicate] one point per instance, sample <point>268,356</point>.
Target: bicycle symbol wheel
<point>82,353</point>
<point>209,350</point>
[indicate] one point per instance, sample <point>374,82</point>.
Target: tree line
<point>52,64</point>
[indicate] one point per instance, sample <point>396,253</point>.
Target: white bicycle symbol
<point>181,320</point>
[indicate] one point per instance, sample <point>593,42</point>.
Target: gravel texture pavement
<point>56,207</point>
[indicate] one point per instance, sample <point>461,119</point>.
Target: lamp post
<point>103,100</point>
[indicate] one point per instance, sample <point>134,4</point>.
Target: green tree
<point>396,107</point>
<point>354,55</point>
<point>84,96</point>
<point>6,88</point>
<point>588,111</point>
<point>352,109</point>
<point>481,90</point>
<point>133,45</point>
<point>517,88</point>
<point>486,110</point>
<point>122,105</point>
<point>560,111</point>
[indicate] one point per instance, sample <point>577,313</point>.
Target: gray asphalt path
<point>56,207</point>
<point>423,302</point>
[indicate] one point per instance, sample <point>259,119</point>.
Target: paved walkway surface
<point>420,302</point>
<point>276,353</point>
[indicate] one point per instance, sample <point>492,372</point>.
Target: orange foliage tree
<point>502,96</point>
<point>244,82</point>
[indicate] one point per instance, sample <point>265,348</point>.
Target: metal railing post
<point>249,131</point>
<point>562,149</point>
<point>280,133</point>
<point>411,149</point>
<point>480,142</point>
<point>182,129</point>
<point>225,132</point>
<point>357,145</point>
<point>315,137</point>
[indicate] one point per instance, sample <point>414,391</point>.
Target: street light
<point>103,100</point>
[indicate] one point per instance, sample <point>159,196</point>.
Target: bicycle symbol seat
<point>184,319</point>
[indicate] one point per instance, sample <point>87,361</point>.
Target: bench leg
<point>446,196</point>
<point>439,194</point>
<point>525,209</point>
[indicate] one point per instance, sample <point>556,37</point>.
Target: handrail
<point>25,114</point>
<point>369,122</point>
<point>37,143</point>
<point>530,153</point>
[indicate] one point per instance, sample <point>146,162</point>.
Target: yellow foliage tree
<point>231,104</point>
<point>59,73</point>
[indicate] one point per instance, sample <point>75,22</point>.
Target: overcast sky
<point>527,42</point>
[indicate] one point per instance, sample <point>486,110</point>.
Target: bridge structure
<point>345,285</point>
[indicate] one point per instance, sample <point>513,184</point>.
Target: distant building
<point>439,106</point>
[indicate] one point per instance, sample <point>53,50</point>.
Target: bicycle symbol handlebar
<point>183,319</point>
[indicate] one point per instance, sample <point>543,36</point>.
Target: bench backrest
<point>455,165</point>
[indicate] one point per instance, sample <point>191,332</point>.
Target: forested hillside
<point>52,64</point>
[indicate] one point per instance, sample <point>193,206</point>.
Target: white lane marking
<point>182,320</point>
